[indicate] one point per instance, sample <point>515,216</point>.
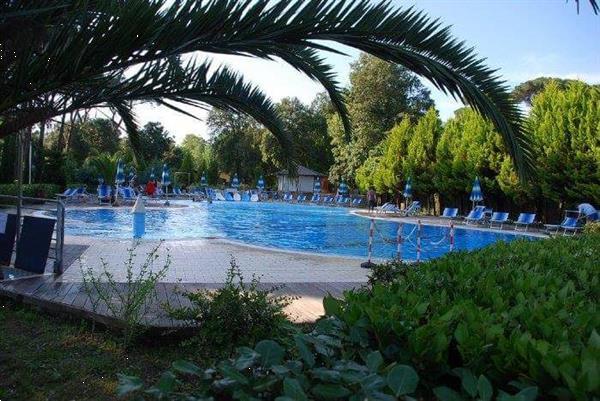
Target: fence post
<point>368,264</point>
<point>399,243</point>
<point>419,241</point>
<point>451,236</point>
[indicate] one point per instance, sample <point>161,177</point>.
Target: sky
<point>524,39</point>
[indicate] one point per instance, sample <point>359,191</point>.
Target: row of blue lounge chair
<point>482,215</point>
<point>324,200</point>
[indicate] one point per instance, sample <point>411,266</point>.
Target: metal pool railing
<point>52,208</point>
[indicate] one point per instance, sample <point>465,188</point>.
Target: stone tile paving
<point>207,260</point>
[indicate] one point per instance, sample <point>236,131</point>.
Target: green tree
<point>380,95</point>
<point>155,143</point>
<point>524,92</point>
<point>421,153</point>
<point>235,143</point>
<point>469,146</point>
<point>565,124</point>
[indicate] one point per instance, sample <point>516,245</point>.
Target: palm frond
<point>93,44</point>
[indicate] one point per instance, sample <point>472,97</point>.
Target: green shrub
<point>387,272</point>
<point>592,227</point>
<point>31,190</point>
<point>326,364</point>
<point>236,314</point>
<point>524,310</point>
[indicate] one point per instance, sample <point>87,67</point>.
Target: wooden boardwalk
<point>49,292</point>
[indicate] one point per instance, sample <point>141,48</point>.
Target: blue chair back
<point>450,212</point>
<point>499,216</point>
<point>526,218</point>
<point>570,222</point>
<point>476,214</point>
<point>34,244</point>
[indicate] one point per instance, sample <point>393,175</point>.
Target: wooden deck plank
<point>72,298</point>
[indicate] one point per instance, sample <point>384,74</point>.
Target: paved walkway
<point>193,264</point>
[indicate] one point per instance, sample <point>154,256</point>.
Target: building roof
<point>303,171</point>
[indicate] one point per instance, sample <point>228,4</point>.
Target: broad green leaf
<point>484,388</point>
<point>304,351</point>
<point>164,387</point>
<point>332,306</point>
<point>374,361</point>
<point>270,352</point>
<point>293,389</point>
<point>229,372</point>
<point>403,380</point>
<point>468,380</point>
<point>128,384</point>
<point>326,375</point>
<point>446,394</point>
<point>247,357</point>
<point>187,368</point>
<point>330,391</point>
<point>527,394</point>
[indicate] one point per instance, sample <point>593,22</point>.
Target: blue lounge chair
<point>524,221</point>
<point>328,200</point>
<point>245,197</point>
<point>412,209</point>
<point>34,244</point>
<point>498,218</point>
<point>229,196</point>
<point>315,198</point>
<point>177,192</point>
<point>74,194</point>
<point>68,193</point>
<point>357,202</point>
<point>127,194</point>
<point>450,213</point>
<point>104,193</point>
<point>476,215</point>
<point>571,225</point>
<point>301,198</point>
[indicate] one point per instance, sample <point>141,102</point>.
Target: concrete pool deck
<point>194,264</point>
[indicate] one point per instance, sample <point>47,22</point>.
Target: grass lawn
<point>45,357</point>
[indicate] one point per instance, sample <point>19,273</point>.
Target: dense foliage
<point>238,313</point>
<point>510,322</point>
<point>31,190</point>
<point>527,310</point>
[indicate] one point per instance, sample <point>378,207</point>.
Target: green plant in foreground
<point>326,364</point>
<point>236,314</point>
<point>128,301</point>
<point>524,310</point>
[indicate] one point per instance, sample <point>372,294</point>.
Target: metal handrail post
<point>60,237</point>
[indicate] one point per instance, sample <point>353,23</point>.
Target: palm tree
<point>59,56</point>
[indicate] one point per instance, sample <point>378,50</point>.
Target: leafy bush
<point>387,272</point>
<point>524,310</point>
<point>131,301</point>
<point>236,314</point>
<point>326,364</point>
<point>31,190</point>
<point>592,228</point>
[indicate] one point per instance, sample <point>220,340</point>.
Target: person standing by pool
<point>150,188</point>
<point>371,199</point>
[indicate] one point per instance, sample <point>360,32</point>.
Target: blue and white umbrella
<point>476,193</point>
<point>120,177</point>
<point>317,185</point>
<point>261,183</point>
<point>408,188</point>
<point>589,211</point>
<point>166,177</point>
<point>343,189</point>
<point>166,181</point>
<point>235,182</point>
<point>203,180</point>
<point>152,176</point>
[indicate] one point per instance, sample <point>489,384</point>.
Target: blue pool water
<point>307,228</point>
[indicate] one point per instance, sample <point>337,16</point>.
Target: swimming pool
<point>305,228</point>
